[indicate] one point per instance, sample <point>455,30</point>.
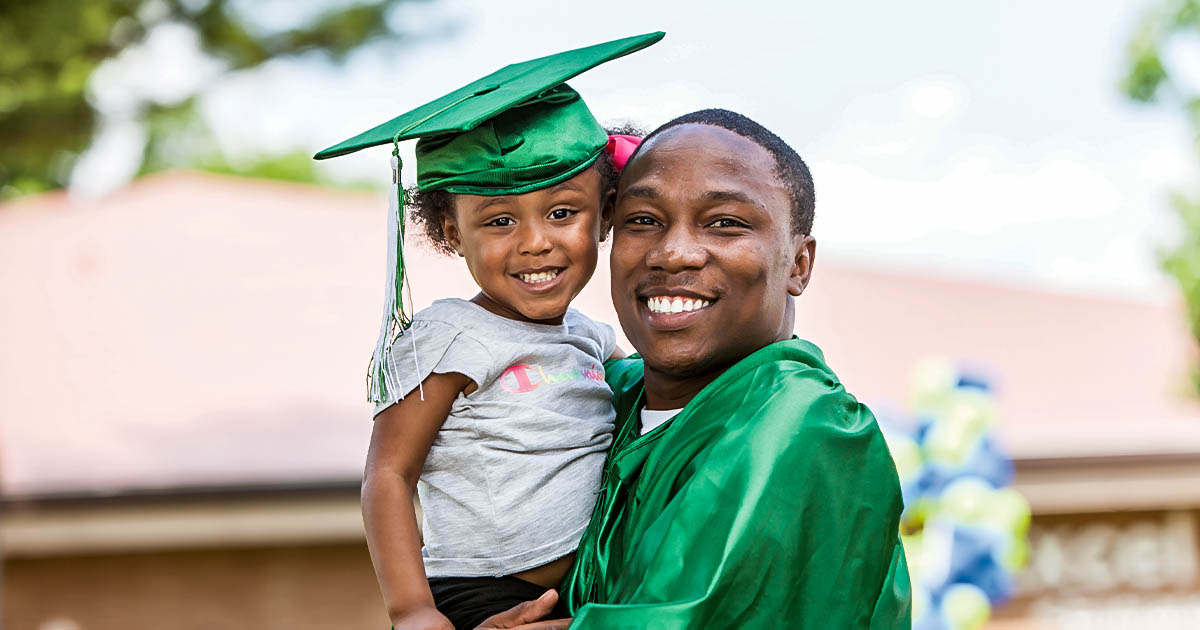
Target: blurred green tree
<point>50,49</point>
<point>1164,29</point>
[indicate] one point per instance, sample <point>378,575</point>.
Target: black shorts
<point>466,602</point>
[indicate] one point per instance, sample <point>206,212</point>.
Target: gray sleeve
<point>608,340</point>
<point>434,347</point>
<point>599,332</point>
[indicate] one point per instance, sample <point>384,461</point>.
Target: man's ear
<point>804,254</point>
<point>453,236</point>
<point>606,213</point>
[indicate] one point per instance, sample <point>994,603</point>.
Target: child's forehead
<point>583,186</point>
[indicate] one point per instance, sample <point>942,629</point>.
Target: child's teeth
<point>536,278</point>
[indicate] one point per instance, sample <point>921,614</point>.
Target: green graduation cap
<point>516,130</point>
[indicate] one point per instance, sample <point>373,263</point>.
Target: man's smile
<point>677,304</point>
<point>673,309</point>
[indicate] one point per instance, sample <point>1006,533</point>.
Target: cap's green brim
<point>466,107</point>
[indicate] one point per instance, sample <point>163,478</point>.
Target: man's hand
<point>525,616</point>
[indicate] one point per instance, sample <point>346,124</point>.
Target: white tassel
<point>382,385</point>
<point>412,332</point>
<point>379,378</point>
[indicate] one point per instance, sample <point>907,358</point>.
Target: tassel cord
<point>397,319</point>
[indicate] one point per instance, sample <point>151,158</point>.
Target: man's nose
<point>535,239</point>
<point>679,249</point>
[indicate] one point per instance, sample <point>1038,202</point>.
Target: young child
<point>494,408</point>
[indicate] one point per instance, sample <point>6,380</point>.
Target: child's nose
<point>535,240</point>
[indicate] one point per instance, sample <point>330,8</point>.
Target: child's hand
<point>424,618</point>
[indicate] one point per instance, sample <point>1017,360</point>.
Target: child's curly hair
<point>428,208</point>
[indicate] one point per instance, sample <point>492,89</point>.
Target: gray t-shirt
<point>510,481</point>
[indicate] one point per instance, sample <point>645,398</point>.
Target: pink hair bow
<point>620,147</point>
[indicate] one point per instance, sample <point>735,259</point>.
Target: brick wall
<point>283,588</point>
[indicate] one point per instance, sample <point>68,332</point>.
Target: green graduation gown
<point>770,501</point>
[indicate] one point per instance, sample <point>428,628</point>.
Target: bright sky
<point>983,139</point>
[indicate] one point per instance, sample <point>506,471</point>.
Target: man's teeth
<point>675,304</point>
<point>538,278</point>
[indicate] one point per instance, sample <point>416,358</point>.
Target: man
<point>745,488</point>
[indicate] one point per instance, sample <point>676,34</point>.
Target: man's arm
<point>783,522</point>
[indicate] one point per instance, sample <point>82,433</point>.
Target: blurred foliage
<point>178,136</point>
<point>51,47</point>
<point>1149,79</point>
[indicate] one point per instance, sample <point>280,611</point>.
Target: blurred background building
<point>183,435</point>
<point>182,350</point>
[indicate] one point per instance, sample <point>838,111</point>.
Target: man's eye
<point>562,213</point>
<point>726,222</point>
<point>642,220</point>
<point>501,222</point>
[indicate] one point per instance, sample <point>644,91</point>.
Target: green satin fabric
<point>770,501</point>
<point>539,143</point>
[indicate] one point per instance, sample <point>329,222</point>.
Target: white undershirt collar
<point>654,418</point>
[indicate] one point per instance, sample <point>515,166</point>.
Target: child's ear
<point>606,213</point>
<point>453,236</point>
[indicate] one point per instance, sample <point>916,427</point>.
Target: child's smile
<point>540,279</point>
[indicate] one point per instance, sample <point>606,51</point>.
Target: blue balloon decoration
<point>933,619</point>
<point>986,461</point>
<point>975,559</point>
<point>960,515</point>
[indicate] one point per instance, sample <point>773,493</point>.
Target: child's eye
<point>562,213</point>
<point>501,222</point>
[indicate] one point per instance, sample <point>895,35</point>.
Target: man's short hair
<point>789,168</point>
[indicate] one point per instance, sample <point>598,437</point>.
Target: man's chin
<point>677,362</point>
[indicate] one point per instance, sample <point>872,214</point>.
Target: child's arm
<point>400,442</point>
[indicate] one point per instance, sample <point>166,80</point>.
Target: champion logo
<point>522,378</point>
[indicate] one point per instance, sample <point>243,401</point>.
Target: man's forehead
<point>713,193</point>
<point>712,139</point>
<point>704,162</point>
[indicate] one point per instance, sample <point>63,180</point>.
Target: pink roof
<point>207,329</point>
<point>1074,375</point>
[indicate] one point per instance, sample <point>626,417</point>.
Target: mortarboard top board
<point>481,100</point>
